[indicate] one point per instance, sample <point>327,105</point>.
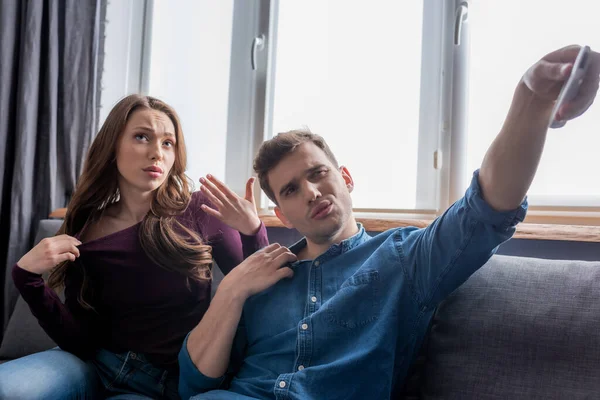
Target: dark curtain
<point>51,54</point>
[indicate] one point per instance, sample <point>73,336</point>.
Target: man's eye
<point>320,173</point>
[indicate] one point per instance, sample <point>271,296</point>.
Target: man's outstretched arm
<point>441,257</point>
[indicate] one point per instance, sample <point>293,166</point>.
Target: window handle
<point>257,44</point>
<point>462,12</point>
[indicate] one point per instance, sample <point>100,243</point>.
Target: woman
<point>134,257</point>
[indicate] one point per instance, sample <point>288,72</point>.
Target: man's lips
<point>320,208</point>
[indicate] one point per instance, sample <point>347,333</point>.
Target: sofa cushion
<point>519,328</point>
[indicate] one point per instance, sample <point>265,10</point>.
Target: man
<point>341,315</point>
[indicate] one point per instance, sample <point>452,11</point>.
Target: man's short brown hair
<point>272,151</point>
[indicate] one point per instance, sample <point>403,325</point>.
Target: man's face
<point>313,196</point>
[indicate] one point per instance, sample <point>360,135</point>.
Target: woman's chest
<point>126,278</point>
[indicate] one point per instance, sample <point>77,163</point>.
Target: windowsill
<point>526,230</point>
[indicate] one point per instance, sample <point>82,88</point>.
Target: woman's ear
<point>347,178</point>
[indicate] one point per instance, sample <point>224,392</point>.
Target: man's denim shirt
<point>348,324</point>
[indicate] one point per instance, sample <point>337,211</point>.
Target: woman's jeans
<point>57,375</point>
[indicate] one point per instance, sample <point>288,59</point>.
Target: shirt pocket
<point>357,302</point>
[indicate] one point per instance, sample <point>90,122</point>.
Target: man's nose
<point>312,191</point>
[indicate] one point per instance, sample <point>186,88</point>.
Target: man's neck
<point>314,249</point>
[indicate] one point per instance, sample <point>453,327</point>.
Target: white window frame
<point>246,91</point>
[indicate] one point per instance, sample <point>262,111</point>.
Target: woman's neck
<point>133,205</point>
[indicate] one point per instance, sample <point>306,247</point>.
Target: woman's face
<point>146,150</point>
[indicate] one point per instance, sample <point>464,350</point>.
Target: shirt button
<point>132,356</point>
<point>282,384</point>
<point>300,367</point>
<point>317,263</point>
<point>313,299</point>
<point>304,327</point>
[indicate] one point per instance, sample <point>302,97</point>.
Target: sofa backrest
<point>519,328</point>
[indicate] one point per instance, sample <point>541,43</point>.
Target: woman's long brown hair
<point>166,242</point>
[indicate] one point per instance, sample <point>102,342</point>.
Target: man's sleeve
<point>441,257</point>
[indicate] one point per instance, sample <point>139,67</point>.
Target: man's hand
<point>239,213</point>
<point>546,78</point>
<point>512,160</point>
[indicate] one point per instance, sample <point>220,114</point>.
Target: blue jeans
<point>58,375</point>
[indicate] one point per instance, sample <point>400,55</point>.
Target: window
<point>351,73</point>
<point>507,38</point>
<point>409,95</point>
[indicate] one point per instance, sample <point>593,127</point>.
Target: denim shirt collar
<point>336,249</point>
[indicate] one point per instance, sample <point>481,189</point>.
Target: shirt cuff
<point>502,220</point>
<point>256,241</point>
<point>23,278</point>
<point>191,380</point>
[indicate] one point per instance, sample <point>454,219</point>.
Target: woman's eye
<point>140,136</point>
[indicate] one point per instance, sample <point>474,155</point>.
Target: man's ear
<point>282,218</point>
<point>347,178</point>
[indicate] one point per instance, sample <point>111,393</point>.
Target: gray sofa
<point>520,328</point>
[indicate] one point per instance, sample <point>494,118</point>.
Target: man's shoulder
<point>398,232</point>
<point>381,242</point>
